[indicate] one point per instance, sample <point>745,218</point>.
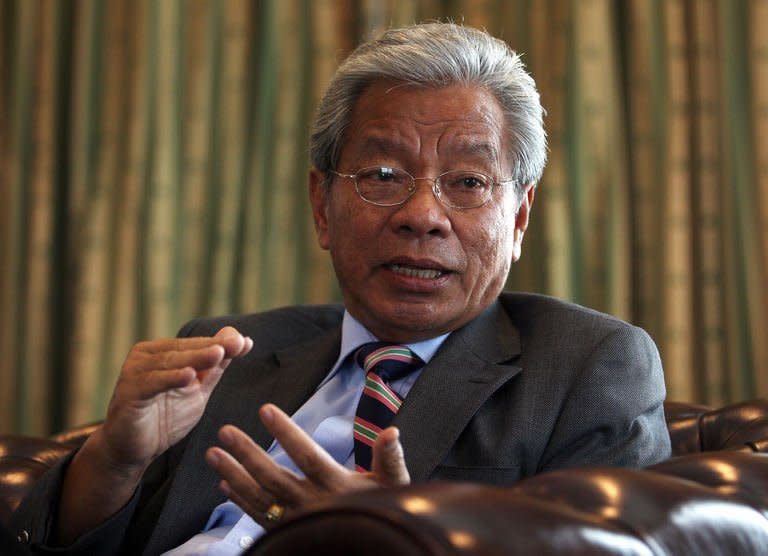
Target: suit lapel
<point>472,364</point>
<point>245,387</point>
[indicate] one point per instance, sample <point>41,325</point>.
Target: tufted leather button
<point>23,537</point>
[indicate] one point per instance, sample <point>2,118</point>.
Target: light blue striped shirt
<point>327,417</point>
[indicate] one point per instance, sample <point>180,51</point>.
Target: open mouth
<point>414,272</point>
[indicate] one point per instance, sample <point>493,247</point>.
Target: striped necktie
<point>383,363</point>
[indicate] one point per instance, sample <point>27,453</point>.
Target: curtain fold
<point>153,169</point>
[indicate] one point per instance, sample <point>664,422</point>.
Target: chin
<point>418,323</point>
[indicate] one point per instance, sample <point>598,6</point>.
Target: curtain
<point>153,163</point>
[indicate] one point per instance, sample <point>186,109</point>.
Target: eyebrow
<point>374,145</point>
<point>480,148</point>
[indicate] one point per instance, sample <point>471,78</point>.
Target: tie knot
<point>389,361</point>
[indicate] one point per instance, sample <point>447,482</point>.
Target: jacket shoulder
<point>535,311</point>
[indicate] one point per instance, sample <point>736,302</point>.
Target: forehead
<point>403,120</point>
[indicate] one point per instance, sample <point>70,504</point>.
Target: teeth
<point>425,273</point>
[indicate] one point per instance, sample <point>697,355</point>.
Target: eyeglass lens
<point>384,185</point>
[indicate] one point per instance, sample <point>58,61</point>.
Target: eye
<point>466,181</point>
<point>386,174</point>
<point>472,182</point>
<point>381,174</point>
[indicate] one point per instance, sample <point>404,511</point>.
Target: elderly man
<point>426,151</point>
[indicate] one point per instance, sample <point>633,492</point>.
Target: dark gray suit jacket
<point>533,384</point>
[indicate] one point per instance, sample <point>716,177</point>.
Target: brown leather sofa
<point>710,498</point>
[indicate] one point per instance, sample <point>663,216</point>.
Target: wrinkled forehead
<point>454,122</point>
<point>377,142</point>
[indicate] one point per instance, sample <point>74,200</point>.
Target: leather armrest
<point>23,460</point>
<point>589,511</point>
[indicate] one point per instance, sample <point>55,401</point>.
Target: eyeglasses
<point>385,186</point>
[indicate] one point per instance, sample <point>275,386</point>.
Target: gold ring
<point>274,512</point>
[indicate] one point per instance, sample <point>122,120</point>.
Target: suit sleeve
<point>613,413</point>
<point>37,514</point>
<point>37,517</point>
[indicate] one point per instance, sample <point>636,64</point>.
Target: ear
<point>318,198</point>
<point>521,219</point>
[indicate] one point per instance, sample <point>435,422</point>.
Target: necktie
<point>383,363</point>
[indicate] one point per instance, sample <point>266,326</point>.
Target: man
<point>426,151</point>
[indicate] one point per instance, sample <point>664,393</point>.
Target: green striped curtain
<point>153,163</point>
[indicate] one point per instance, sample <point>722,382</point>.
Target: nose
<point>423,214</point>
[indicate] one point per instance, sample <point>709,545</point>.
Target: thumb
<point>388,463</point>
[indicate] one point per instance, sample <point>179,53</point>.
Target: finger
<point>157,382</point>
<point>175,344</point>
<point>278,481</point>
<point>258,513</point>
<point>388,462</point>
<point>228,338</point>
<point>316,464</point>
<point>240,487</point>
<point>231,340</point>
<point>247,346</point>
<point>237,483</point>
<point>201,358</point>
<point>209,378</point>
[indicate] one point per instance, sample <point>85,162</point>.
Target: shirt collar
<point>354,334</point>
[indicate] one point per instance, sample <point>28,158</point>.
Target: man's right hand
<point>162,391</point>
<point>160,395</point>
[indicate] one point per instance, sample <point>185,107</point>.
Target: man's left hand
<point>252,479</point>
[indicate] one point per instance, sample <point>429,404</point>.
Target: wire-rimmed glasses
<point>386,186</point>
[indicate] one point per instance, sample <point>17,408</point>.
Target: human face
<point>420,269</point>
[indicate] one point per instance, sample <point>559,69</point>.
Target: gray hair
<point>437,55</point>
